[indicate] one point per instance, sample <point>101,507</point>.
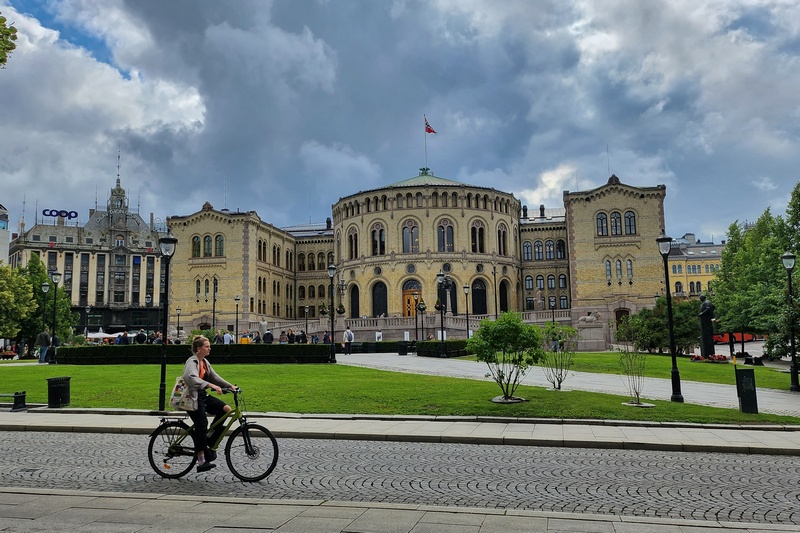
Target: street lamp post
<point>178,327</point>
<point>236,299</point>
<point>664,246</point>
<point>306,309</point>
<point>494,275</point>
<point>466,306</point>
<point>331,274</point>
<point>788,260</point>
<point>167,244</point>
<point>445,283</point>
<point>148,299</point>
<point>416,318</point>
<point>45,289</point>
<point>55,276</point>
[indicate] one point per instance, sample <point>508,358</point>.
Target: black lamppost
<point>494,275</point>
<point>236,299</point>
<point>466,306</point>
<point>45,289</point>
<point>167,244</point>
<point>55,276</point>
<point>664,246</point>
<point>306,310</point>
<point>178,327</point>
<point>444,282</point>
<point>788,263</point>
<point>148,299</point>
<point>416,318</point>
<point>331,274</point>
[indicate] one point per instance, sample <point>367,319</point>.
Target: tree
<point>508,347</point>
<point>17,297</point>
<point>8,34</point>
<point>559,353</point>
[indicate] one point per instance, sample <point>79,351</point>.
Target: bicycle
<point>251,451</point>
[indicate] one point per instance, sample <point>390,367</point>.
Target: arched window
<point>616,223</point>
<point>562,281</point>
<point>378,239</point>
<point>561,249</point>
<point>301,262</point>
<point>207,246</point>
<point>537,251</point>
<point>410,237</point>
<point>630,223</point>
<point>551,282</point>
<point>549,252</point>
<point>602,224</point>
<point>502,239</point>
<point>477,239</point>
<point>445,236</point>
<point>528,282</point>
<point>195,246</point>
<point>352,244</point>
<point>219,246</point>
<point>540,282</point>
<point>527,251</point>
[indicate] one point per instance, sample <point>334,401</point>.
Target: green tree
<point>17,297</point>
<point>8,36</point>
<point>508,347</point>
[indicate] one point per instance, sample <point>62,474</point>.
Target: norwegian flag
<point>428,128</point>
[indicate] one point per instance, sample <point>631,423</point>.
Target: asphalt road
<point>752,488</point>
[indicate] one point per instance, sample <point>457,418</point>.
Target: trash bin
<point>402,347</point>
<point>58,391</point>
<point>746,390</point>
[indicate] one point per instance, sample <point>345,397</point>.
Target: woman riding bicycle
<point>199,376</point>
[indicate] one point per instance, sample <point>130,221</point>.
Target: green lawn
<point>343,389</point>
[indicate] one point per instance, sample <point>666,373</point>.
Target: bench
<point>19,401</point>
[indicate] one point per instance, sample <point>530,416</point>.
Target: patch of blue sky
<point>68,32</point>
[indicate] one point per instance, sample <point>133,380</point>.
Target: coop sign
<point>69,215</point>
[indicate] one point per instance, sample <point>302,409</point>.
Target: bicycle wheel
<point>251,452</point>
<point>171,449</point>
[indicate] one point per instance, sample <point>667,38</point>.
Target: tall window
<point>527,251</point>
<point>616,223</point>
<point>549,251</point>
<point>219,246</point>
<point>602,224</point>
<point>207,246</point>
<point>195,246</point>
<point>477,239</point>
<point>352,244</point>
<point>410,237</point>
<point>445,236</point>
<point>630,223</point>
<point>537,251</point>
<point>378,239</point>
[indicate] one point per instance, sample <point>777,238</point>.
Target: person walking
<point>347,339</point>
<point>43,342</point>
<point>199,375</point>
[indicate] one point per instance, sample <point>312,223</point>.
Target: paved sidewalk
<point>58,510</point>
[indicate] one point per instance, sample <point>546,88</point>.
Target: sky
<point>284,106</point>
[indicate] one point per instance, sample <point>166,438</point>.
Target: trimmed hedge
<point>150,354</point>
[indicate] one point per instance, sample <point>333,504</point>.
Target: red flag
<point>428,128</point>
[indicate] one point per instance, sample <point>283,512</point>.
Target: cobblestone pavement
<point>758,489</point>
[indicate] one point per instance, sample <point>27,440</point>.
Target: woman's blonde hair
<point>198,341</point>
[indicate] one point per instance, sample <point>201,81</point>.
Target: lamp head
<point>664,244</point>
<point>788,261</point>
<point>167,244</point>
